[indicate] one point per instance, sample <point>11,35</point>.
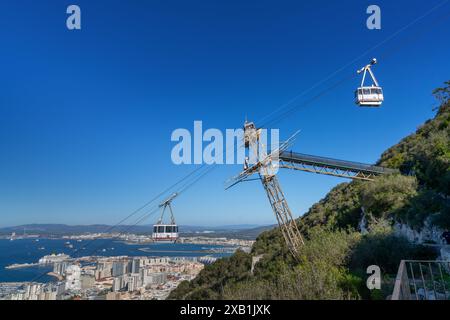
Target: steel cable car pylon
<point>280,158</point>
<point>166,232</point>
<point>265,168</point>
<point>369,96</point>
<point>289,229</point>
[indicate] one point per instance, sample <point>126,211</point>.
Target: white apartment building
<point>73,277</point>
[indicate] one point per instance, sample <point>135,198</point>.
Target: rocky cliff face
<point>429,233</point>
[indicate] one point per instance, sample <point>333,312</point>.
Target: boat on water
<point>20,265</point>
<point>69,245</point>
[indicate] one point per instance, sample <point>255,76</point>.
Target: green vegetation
<point>335,256</point>
<point>320,273</point>
<point>212,279</point>
<point>382,248</point>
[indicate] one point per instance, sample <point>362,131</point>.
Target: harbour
<point>24,264</point>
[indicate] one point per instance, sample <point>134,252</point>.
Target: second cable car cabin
<point>166,232</point>
<point>369,96</point>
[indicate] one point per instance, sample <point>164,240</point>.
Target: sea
<point>30,251</point>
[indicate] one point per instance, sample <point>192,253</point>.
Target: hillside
<point>336,253</point>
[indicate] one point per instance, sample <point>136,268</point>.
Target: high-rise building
<point>104,270</point>
<point>135,265</point>
<point>87,281</point>
<point>153,278</point>
<point>119,268</point>
<point>133,281</point>
<point>73,277</point>
<point>60,267</point>
<point>118,284</point>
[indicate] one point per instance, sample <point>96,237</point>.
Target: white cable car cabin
<point>369,96</point>
<point>166,232</point>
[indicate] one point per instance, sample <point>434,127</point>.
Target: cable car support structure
<point>280,158</point>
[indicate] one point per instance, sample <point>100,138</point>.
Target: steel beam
<point>283,214</point>
<point>333,167</point>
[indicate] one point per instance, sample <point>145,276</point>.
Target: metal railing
<point>422,280</point>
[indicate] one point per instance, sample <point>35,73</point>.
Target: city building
<point>87,281</point>
<point>135,265</point>
<point>118,284</point>
<point>119,268</point>
<point>60,268</point>
<point>73,277</point>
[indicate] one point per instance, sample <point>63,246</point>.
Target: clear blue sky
<point>86,116</point>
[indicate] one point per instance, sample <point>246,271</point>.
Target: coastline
<point>57,276</point>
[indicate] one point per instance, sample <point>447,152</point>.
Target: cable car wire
<point>354,60</point>
<point>108,230</point>
<point>143,217</point>
<point>295,108</point>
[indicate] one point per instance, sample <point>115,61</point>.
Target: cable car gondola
<point>166,232</point>
<point>369,96</point>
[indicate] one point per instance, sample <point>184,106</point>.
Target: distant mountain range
<point>241,231</point>
<point>247,234</point>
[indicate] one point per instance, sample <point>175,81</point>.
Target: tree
<point>443,94</point>
<point>387,196</point>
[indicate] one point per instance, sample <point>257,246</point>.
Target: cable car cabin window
<point>176,229</point>
<point>155,229</point>
<point>375,91</point>
<point>366,91</point>
<point>168,229</point>
<point>160,229</point>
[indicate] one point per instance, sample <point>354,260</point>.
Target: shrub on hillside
<point>386,250</point>
<point>387,196</point>
<point>319,273</point>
